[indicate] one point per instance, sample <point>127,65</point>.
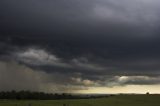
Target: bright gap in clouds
<point>140,89</point>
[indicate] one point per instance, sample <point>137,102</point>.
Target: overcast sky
<point>80,46</point>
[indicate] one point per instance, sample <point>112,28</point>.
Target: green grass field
<point>120,100</point>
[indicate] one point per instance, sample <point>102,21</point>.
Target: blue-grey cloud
<point>84,40</point>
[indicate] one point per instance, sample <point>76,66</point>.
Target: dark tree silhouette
<point>28,95</point>
<point>147,93</point>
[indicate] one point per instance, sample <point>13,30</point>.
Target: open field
<point>120,100</point>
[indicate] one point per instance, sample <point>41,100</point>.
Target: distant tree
<point>147,93</point>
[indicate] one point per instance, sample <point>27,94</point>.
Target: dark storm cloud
<point>88,41</point>
<point>19,77</point>
<point>60,18</point>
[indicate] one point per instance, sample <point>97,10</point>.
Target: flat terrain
<point>120,100</point>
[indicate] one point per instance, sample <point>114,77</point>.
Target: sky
<point>80,46</point>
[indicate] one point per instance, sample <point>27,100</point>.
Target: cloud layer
<point>83,44</point>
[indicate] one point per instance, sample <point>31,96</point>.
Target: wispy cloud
<point>133,80</point>
<point>84,63</point>
<point>39,57</point>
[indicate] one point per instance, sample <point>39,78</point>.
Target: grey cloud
<point>83,63</point>
<point>112,81</point>
<point>39,57</point>
<point>81,17</point>
<point>20,77</point>
<point>136,11</point>
<point>50,62</point>
<point>135,80</point>
<point>83,82</point>
<point>84,40</point>
<point>16,76</point>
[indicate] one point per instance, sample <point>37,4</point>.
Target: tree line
<point>28,95</point>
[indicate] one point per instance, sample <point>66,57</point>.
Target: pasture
<point>119,100</point>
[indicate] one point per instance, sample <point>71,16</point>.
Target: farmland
<point>118,100</point>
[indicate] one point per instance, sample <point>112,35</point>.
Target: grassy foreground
<point>120,100</point>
